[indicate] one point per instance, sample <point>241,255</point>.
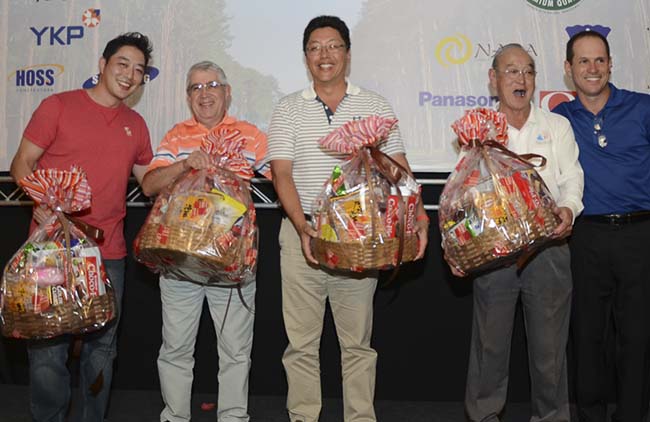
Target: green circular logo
<point>553,5</point>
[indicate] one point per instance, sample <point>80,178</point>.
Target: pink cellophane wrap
<point>202,228</point>
<point>56,283</point>
<point>359,204</point>
<point>494,206</point>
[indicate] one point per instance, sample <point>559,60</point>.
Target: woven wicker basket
<point>180,243</point>
<point>67,318</point>
<point>479,252</point>
<point>368,255</point>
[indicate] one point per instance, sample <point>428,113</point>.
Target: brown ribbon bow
<point>393,172</point>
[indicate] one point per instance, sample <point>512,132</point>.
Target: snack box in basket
<point>348,240</point>
<point>493,222</point>
<point>37,279</point>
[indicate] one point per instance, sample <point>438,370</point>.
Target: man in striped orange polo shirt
<point>208,95</point>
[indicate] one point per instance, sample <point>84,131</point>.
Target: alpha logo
<point>548,100</point>
<point>454,50</point>
<point>428,98</point>
<point>553,5</point>
<point>39,75</point>
<point>150,73</point>
<point>91,18</point>
<point>488,50</point>
<point>459,49</point>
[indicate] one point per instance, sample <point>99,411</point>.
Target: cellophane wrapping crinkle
<point>202,228</point>
<point>365,213</point>
<point>494,205</point>
<point>56,282</point>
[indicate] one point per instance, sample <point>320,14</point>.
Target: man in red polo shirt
<point>96,131</point>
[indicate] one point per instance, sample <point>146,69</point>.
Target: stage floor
<point>139,406</point>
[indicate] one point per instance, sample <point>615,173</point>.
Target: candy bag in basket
<point>202,227</point>
<point>365,214</point>
<point>495,206</point>
<point>56,283</point>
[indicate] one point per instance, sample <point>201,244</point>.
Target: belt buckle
<point>617,219</point>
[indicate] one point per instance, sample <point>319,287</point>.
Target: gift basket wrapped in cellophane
<point>202,227</point>
<point>494,206</point>
<point>365,213</point>
<point>56,283</point>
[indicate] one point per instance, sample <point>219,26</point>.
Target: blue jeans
<point>49,375</point>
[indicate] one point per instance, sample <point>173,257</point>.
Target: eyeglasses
<point>315,49</point>
<point>600,137</point>
<point>209,86</point>
<point>513,74</point>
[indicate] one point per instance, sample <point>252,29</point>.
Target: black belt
<point>619,219</point>
<point>307,216</point>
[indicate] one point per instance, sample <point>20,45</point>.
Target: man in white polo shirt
<point>300,167</point>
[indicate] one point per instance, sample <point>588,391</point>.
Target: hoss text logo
<point>39,75</point>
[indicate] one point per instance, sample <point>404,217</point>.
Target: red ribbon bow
<point>60,190</point>
<point>481,124</point>
<point>353,135</point>
<point>225,147</point>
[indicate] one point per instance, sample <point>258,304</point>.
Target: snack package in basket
<point>56,283</point>
<point>202,227</point>
<point>365,214</point>
<point>494,206</point>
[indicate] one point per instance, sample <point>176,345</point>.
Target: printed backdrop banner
<point>429,58</point>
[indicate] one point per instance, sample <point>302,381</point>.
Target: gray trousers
<point>182,305</point>
<point>545,289</point>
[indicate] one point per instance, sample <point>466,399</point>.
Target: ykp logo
<point>37,75</point>
<point>453,50</point>
<point>63,35</point>
<point>91,18</point>
<point>548,100</point>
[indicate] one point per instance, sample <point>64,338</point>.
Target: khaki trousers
<point>305,290</point>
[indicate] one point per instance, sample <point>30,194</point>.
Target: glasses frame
<point>316,49</point>
<point>210,86</point>
<point>513,74</point>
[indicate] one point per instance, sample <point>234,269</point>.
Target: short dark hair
<point>134,39</point>
<point>325,21</point>
<point>580,35</point>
